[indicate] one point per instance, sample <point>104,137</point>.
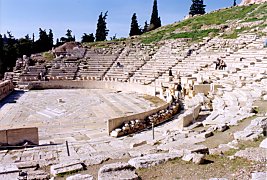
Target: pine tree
<point>135,30</point>
<point>234,3</point>
<point>68,37</point>
<point>101,30</point>
<point>155,21</point>
<point>197,7</point>
<point>88,38</point>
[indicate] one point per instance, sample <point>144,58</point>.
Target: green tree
<point>155,21</point>
<point>145,29</point>
<point>197,7</point>
<point>43,43</point>
<point>135,30</point>
<point>88,38</point>
<point>51,38</point>
<point>2,69</point>
<point>101,30</point>
<point>68,37</point>
<point>234,3</point>
<point>25,46</point>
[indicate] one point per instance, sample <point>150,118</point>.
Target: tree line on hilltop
<point>12,48</point>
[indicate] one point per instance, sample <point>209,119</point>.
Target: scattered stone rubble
<point>117,171</point>
<point>155,119</point>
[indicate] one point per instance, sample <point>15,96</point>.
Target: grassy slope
<point>199,27</point>
<point>207,25</point>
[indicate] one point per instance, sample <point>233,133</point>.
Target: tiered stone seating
<point>131,59</point>
<point>32,72</point>
<point>96,63</point>
<point>166,57</point>
<point>63,69</point>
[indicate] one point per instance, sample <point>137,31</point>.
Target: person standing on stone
<point>179,89</point>
<point>170,72</point>
<point>217,63</point>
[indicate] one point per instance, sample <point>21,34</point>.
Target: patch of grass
<point>193,25</point>
<point>195,35</point>
<point>236,32</point>
<point>261,10</point>
<point>48,56</point>
<point>153,38</point>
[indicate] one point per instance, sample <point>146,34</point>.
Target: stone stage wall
<point>118,86</point>
<point>13,137</point>
<point>6,87</point>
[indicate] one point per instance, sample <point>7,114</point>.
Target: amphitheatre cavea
<point>183,101</point>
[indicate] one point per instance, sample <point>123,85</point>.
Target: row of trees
<point>197,8</point>
<point>155,22</point>
<point>12,48</point>
<point>102,31</point>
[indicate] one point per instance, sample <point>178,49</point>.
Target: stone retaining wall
<point>6,87</point>
<point>117,122</point>
<point>15,137</point>
<point>118,86</point>
<point>206,88</point>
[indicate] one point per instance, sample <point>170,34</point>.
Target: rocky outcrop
<point>246,2</point>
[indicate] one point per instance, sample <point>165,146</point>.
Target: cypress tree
<point>135,30</point>
<point>197,7</point>
<point>234,3</point>
<point>155,21</point>
<point>101,30</point>
<point>51,38</point>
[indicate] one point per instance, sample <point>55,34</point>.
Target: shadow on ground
<point>12,98</point>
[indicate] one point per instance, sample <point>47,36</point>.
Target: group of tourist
<point>220,64</point>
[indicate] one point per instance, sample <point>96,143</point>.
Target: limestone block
<point>187,157</point>
<point>222,127</point>
<point>66,167</point>
<point>202,88</point>
<point>80,177</point>
<point>185,120</point>
<point>18,136</point>
<point>205,135</point>
<point>3,137</point>
<point>137,143</point>
<point>242,135</point>
<point>117,171</point>
<point>152,159</point>
<point>94,160</point>
<point>264,144</point>
<point>9,171</point>
<point>259,176</point>
<point>37,174</point>
<point>198,158</point>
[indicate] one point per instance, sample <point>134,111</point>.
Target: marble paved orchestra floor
<point>81,115</point>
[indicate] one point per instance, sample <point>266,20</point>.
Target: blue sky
<point>23,17</point>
